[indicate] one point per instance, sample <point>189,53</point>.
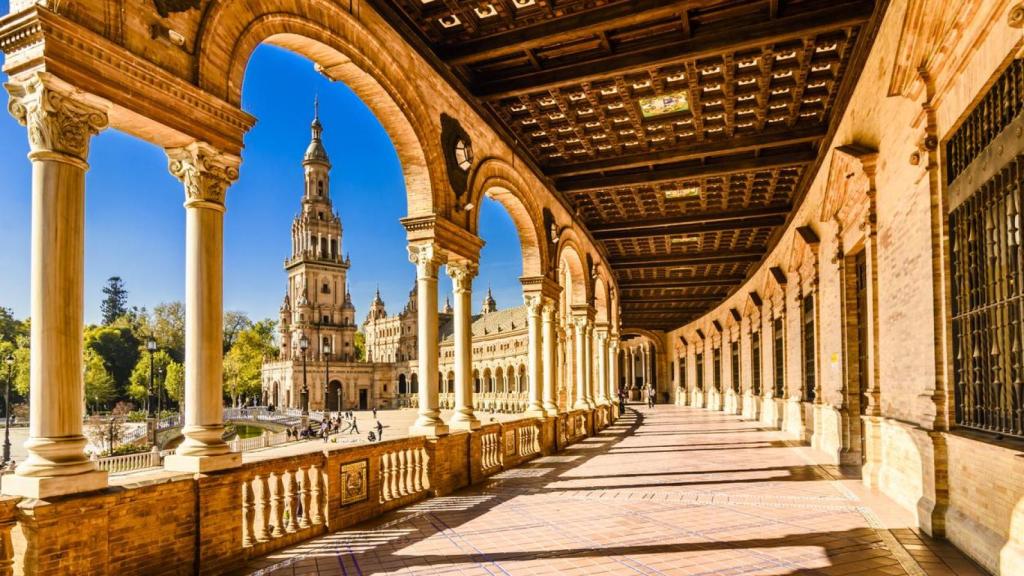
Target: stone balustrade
<point>265,440</point>
<point>277,498</point>
<point>131,462</point>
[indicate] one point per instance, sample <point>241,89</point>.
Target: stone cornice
<point>149,102</point>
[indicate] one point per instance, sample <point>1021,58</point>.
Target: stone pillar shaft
<point>535,406</point>
<point>206,174</point>
<point>462,287</point>
<point>427,262</point>
<point>580,353</point>
<point>601,341</point>
<point>550,358</point>
<point>60,126</point>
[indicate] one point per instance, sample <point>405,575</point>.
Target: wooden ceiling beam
<point>735,145</point>
<point>712,167</point>
<point>696,223</point>
<point>676,283</point>
<point>668,300</point>
<point>558,30</point>
<point>703,258</point>
<point>698,45</point>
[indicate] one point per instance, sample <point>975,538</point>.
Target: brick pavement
<point>669,491</point>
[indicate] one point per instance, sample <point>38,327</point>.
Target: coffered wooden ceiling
<point>683,133</point>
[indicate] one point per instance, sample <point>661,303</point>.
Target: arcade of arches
<point>799,214</point>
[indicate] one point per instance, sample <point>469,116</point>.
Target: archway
<point>334,396</point>
<point>402,388</point>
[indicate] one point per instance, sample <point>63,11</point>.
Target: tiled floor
<point>667,491</point>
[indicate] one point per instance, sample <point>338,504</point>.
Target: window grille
<point>700,371</point>
<point>755,362</point>
<point>809,352</point>
<point>986,260</point>
<point>780,355</point>
<point>735,351</point>
<point>717,358</point>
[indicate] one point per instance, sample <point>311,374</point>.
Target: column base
<point>431,430</point>
<point>41,487</point>
<point>581,405</point>
<point>202,464</point>
<point>454,424</point>
<point>551,411</point>
<point>535,412</point>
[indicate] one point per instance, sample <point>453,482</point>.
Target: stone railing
<point>131,462</point>
<point>403,472</point>
<point>213,523</point>
<point>265,440</point>
<point>283,501</point>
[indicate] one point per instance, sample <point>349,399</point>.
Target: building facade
<point>318,313</point>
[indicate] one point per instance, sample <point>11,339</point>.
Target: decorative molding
<point>427,259</point>
<point>205,171</point>
<point>58,118</point>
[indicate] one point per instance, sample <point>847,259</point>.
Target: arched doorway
<point>334,396</point>
<point>402,388</point>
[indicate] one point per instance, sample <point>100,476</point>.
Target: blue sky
<point>135,223</point>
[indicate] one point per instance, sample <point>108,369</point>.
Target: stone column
<point>533,354</point>
<point>462,285</point>
<point>206,174</point>
<point>645,366</point>
<point>601,337</point>
<point>427,261</point>
<point>60,124</point>
<point>613,371</point>
<point>550,359</point>
<point>579,354</point>
<point>588,343</point>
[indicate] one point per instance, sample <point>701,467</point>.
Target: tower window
<point>326,289</point>
<point>320,188</point>
<point>320,215</point>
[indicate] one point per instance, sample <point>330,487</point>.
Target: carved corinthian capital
<point>59,119</point>
<point>426,258</point>
<point>462,274</point>
<point>533,303</point>
<point>205,171</point>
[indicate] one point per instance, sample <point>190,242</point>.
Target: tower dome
<point>315,152</point>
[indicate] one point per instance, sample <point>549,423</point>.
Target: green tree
<point>244,362</point>
<point>167,325</point>
<point>10,328</point>
<point>234,323</point>
<point>138,387</point>
<point>115,300</point>
<point>21,367</point>
<point>360,346</point>
<point>174,381</point>
<point>119,348</point>
<point>99,384</point>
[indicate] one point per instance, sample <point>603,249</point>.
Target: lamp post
<point>7,409</point>
<point>150,347</point>
<point>304,396</point>
<point>160,393</point>
<point>327,375</point>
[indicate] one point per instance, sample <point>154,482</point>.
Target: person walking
<point>650,396</point>
<point>380,430</point>
<point>374,412</point>
<point>355,426</point>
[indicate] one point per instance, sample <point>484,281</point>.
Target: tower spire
<point>315,152</point>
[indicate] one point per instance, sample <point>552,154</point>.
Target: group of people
<point>649,394</point>
<point>343,423</point>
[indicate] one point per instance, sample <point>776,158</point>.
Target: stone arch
<point>334,396</point>
<point>343,49</point>
<point>571,257</point>
<point>497,180</point>
<point>602,303</point>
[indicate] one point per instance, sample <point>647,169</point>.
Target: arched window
<point>326,288</point>
<point>320,188</point>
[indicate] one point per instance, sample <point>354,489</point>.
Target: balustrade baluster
<point>385,485</point>
<point>291,501</point>
<point>277,505</point>
<point>393,474</point>
<point>315,508</point>
<point>417,485</point>
<point>263,509</point>
<point>303,488</point>
<point>248,511</point>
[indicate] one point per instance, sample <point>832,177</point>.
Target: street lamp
<point>7,409</point>
<point>304,397</point>
<point>160,392</point>
<point>151,347</point>
<point>327,376</point>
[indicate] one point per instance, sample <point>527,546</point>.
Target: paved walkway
<point>668,491</point>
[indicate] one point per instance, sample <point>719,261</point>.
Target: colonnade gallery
<point>790,220</point>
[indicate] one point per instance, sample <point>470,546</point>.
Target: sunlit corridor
<point>665,491</point>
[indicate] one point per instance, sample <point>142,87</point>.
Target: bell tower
<point>317,301</point>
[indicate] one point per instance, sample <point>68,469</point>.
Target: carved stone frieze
<point>205,171</point>
<point>58,119</point>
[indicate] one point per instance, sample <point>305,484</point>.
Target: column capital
<point>427,258</point>
<point>60,119</point>
<point>550,306</point>
<point>534,303</point>
<point>206,173</point>
<point>461,273</point>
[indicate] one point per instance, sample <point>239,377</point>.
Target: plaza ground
<point>672,490</point>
